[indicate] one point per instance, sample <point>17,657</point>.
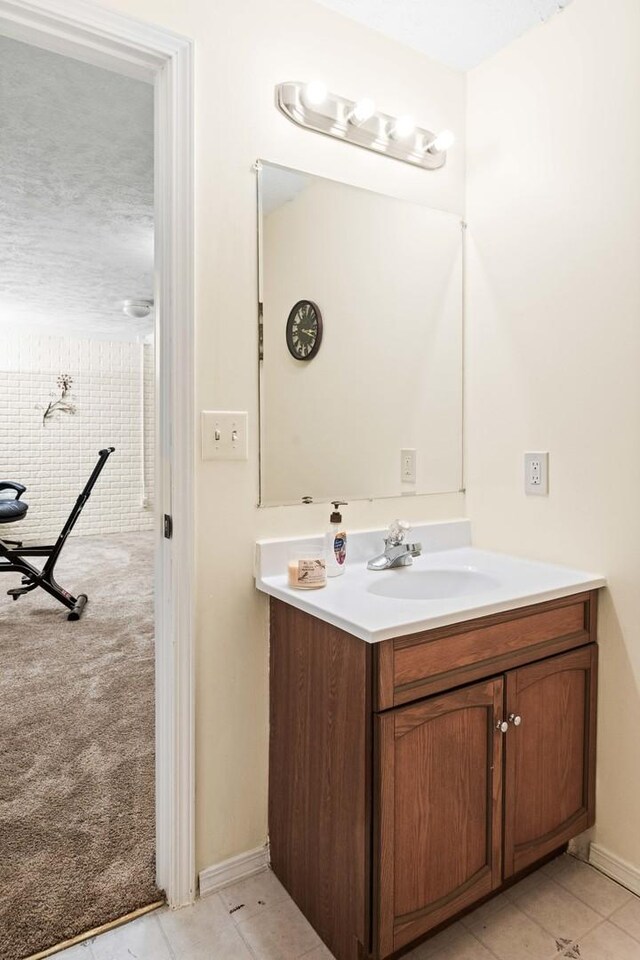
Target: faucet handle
<point>398,530</point>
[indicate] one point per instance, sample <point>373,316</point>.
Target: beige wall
<point>242,50</point>
<point>554,336</point>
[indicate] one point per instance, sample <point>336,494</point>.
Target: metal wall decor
<point>61,404</point>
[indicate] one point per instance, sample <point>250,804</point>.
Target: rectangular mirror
<point>361,342</point>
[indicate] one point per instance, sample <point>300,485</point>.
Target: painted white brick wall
<point>149,408</point>
<point>54,459</point>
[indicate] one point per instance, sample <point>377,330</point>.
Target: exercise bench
<point>13,555</point>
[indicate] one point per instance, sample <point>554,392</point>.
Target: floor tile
<point>465,947</point>
<point>591,886</point>
<point>431,946</point>
<point>511,935</point>
<point>281,934</point>
<point>318,953</point>
<point>255,895</point>
<point>628,917</point>
<point>523,886</point>
<point>82,951</point>
<point>141,939</point>
<point>204,932</point>
<point>608,942</point>
<point>479,914</point>
<point>554,867</point>
<point>558,911</point>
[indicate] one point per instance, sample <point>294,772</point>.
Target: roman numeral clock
<point>304,330</point>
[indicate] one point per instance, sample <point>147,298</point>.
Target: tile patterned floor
<point>565,911</point>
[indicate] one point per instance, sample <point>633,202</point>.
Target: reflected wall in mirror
<point>386,278</point>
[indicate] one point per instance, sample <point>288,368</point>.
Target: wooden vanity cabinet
<point>440,809</point>
<point>450,778</point>
<point>411,778</point>
<point>550,756</point>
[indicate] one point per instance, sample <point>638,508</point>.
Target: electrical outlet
<point>408,464</point>
<point>224,435</point>
<point>536,474</point>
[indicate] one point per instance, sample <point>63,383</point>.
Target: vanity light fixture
<point>403,128</point>
<point>314,93</point>
<point>362,111</point>
<point>441,143</point>
<point>312,106</point>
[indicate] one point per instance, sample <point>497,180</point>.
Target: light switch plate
<point>408,465</point>
<point>224,434</point>
<point>536,474</point>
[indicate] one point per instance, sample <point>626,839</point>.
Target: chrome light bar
<point>356,121</point>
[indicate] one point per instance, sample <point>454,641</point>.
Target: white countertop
<point>495,582</point>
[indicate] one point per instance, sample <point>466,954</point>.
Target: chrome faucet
<point>397,553</point>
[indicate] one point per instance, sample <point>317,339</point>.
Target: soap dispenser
<point>336,542</point>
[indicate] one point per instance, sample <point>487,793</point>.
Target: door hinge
<point>260,333</point>
<point>168,526</point>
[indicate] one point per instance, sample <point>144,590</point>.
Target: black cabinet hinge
<point>168,526</point>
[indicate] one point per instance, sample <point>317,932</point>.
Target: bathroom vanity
<point>422,759</point>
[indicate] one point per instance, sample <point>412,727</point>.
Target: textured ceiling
<point>76,196</point>
<point>459,33</point>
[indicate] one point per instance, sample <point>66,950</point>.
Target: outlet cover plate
<point>536,474</point>
<point>408,465</point>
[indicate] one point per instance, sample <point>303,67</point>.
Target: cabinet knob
<point>515,719</point>
<point>502,726</point>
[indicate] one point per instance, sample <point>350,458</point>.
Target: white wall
<point>54,459</point>
<point>387,277</point>
<point>242,51</point>
<point>554,336</point>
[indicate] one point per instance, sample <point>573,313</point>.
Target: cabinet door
<point>550,755</point>
<point>439,777</point>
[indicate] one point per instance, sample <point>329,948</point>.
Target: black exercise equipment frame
<point>13,553</point>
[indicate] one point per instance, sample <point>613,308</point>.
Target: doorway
<point>76,377</point>
<point>133,50</point>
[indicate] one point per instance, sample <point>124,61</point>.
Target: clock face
<point>304,330</point>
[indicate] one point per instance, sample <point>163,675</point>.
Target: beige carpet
<point>77,747</point>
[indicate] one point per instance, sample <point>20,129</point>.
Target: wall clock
<point>304,330</point>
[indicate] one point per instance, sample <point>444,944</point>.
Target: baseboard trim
<point>104,928</point>
<point>234,869</point>
<point>616,868</point>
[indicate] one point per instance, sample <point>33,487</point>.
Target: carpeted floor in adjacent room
<point>77,818</point>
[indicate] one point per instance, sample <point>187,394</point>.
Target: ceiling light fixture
<point>312,106</point>
<point>137,309</point>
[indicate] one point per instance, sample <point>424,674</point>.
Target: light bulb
<point>363,110</point>
<point>439,144</point>
<point>314,93</point>
<point>443,141</point>
<point>403,128</point>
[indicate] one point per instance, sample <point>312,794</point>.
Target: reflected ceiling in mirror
<point>361,342</point>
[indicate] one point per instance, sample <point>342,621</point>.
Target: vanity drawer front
<point>416,666</point>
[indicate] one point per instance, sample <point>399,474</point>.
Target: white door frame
<point>91,33</point>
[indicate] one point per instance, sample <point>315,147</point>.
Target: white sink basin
<point>451,582</point>
<point>408,584</point>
